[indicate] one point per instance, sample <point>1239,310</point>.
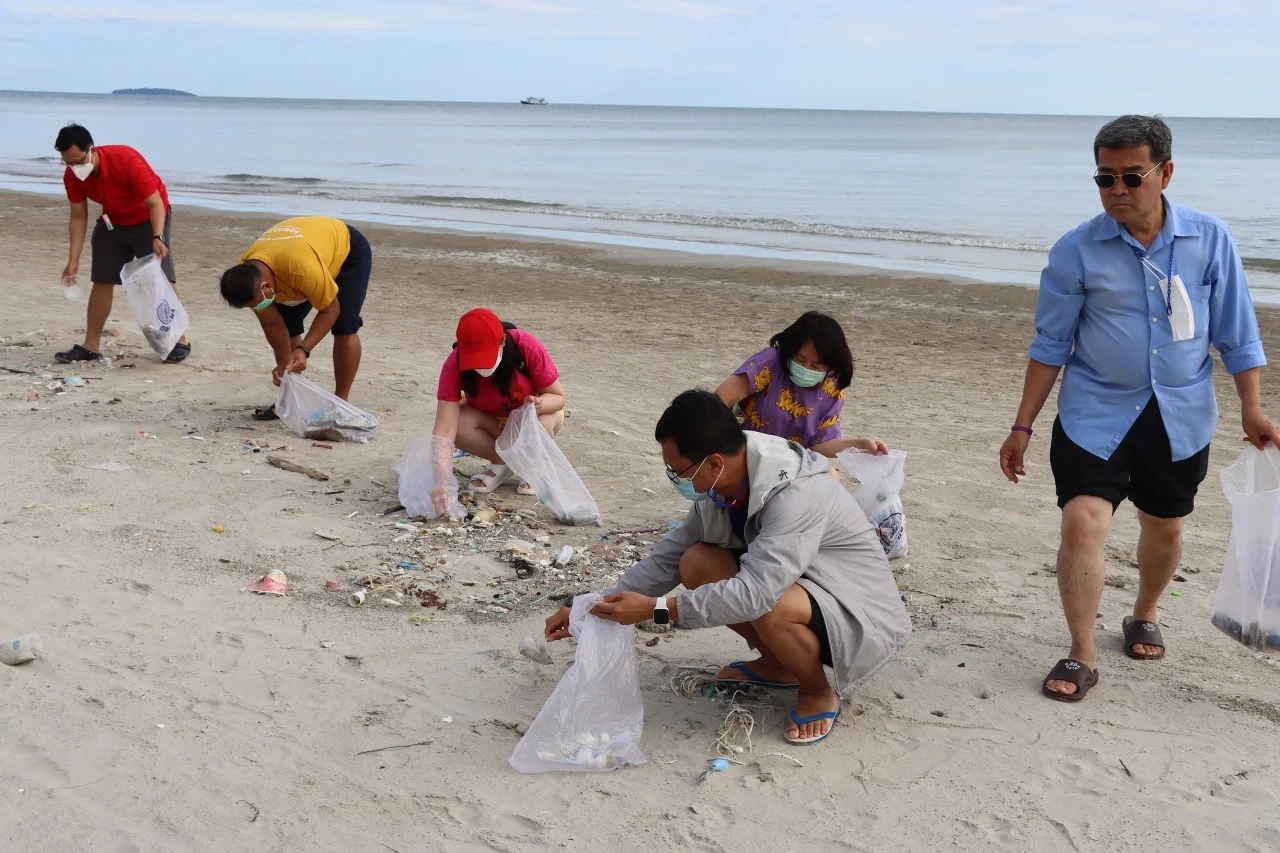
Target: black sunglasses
<point>1132,180</point>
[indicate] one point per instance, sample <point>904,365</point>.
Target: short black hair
<point>1135,131</point>
<point>239,285</point>
<point>700,424</point>
<point>73,134</point>
<point>828,339</point>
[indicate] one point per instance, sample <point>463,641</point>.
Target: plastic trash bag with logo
<point>154,303</point>
<point>880,478</point>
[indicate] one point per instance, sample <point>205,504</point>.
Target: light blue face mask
<point>264,304</point>
<point>803,376</point>
<point>684,485</point>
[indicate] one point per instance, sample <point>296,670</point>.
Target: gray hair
<point>1134,131</point>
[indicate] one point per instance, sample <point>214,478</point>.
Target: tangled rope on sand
<point>733,737</point>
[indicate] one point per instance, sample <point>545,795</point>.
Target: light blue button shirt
<point>1102,314</point>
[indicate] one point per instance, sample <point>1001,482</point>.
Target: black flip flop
<point>77,353</point>
<point>1075,672</point>
<point>1139,632</point>
<point>266,413</point>
<point>178,353</point>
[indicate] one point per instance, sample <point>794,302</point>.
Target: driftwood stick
<point>286,465</point>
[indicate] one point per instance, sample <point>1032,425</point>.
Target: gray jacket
<point>802,527</point>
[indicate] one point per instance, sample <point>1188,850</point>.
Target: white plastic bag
<point>1247,606</point>
<point>537,459</point>
<point>879,482</point>
<point>155,304</point>
<point>427,464</point>
<point>595,716</point>
<point>313,412</point>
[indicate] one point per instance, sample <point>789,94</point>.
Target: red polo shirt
<point>121,184</point>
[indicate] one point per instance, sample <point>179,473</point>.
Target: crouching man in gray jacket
<point>775,549</point>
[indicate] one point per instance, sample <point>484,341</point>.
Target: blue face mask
<point>803,376</point>
<point>264,304</point>
<point>684,485</point>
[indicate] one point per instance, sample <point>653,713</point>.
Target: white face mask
<point>492,370</point>
<point>83,170</point>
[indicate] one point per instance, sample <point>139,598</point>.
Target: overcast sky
<point>1179,58</point>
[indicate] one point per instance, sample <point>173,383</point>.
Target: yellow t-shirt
<point>305,254</point>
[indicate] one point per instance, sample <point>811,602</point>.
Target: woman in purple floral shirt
<point>795,387</point>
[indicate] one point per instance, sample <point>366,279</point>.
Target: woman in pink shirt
<point>493,369</point>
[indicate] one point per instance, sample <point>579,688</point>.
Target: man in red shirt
<point>134,223</point>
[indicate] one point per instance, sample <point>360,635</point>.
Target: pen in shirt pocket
<point>106,220</point>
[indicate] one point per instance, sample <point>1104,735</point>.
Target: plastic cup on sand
<point>16,650</point>
<point>74,287</point>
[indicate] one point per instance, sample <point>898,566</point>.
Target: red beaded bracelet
<point>1020,428</point>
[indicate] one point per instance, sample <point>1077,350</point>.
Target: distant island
<point>178,92</point>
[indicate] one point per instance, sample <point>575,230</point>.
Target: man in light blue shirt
<point>1130,302</point>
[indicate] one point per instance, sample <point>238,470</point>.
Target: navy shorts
<point>1141,469</point>
<point>112,248</point>
<point>353,283</point>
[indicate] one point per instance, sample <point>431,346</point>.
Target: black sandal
<point>77,353</point>
<point>1139,632</point>
<point>1076,673</point>
<point>178,353</point>
<point>266,413</point>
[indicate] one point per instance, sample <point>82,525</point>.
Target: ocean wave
<point>247,178</point>
<point>1263,264</point>
<point>480,202</point>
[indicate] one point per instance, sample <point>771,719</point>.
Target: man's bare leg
<point>346,361</point>
<point>1159,552</point>
<point>1086,520</point>
<point>703,564</point>
<point>100,299</point>
<point>785,632</point>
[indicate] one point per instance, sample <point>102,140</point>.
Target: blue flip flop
<point>800,721</point>
<point>753,678</point>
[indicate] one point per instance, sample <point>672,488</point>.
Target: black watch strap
<point>161,238</point>
<point>305,351</point>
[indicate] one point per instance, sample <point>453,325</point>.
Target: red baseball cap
<point>480,334</point>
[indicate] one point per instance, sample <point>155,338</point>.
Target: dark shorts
<point>353,283</point>
<point>114,247</point>
<point>1141,469</point>
<point>817,624</point>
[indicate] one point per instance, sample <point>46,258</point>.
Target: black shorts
<point>112,248</point>
<point>817,624</point>
<point>353,283</point>
<point>1141,469</point>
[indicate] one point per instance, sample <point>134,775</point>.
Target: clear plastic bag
<point>154,303</point>
<point>312,412</point>
<point>427,465</point>
<point>1247,606</point>
<point>534,456</point>
<point>879,484</point>
<point>595,716</point>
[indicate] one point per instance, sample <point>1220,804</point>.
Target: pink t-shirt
<point>488,397</point>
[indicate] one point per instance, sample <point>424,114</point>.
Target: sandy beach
<point>173,712</point>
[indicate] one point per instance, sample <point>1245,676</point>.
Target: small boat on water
<point>537,102</point>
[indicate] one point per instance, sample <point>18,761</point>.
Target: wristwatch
<point>305,351</point>
<point>661,613</point>
<point>161,238</point>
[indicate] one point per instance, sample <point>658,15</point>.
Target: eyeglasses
<point>1132,180</point>
<point>673,475</point>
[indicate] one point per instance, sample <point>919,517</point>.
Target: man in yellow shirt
<point>299,264</point>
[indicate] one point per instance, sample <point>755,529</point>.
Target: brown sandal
<point>1139,632</point>
<point>1076,673</point>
